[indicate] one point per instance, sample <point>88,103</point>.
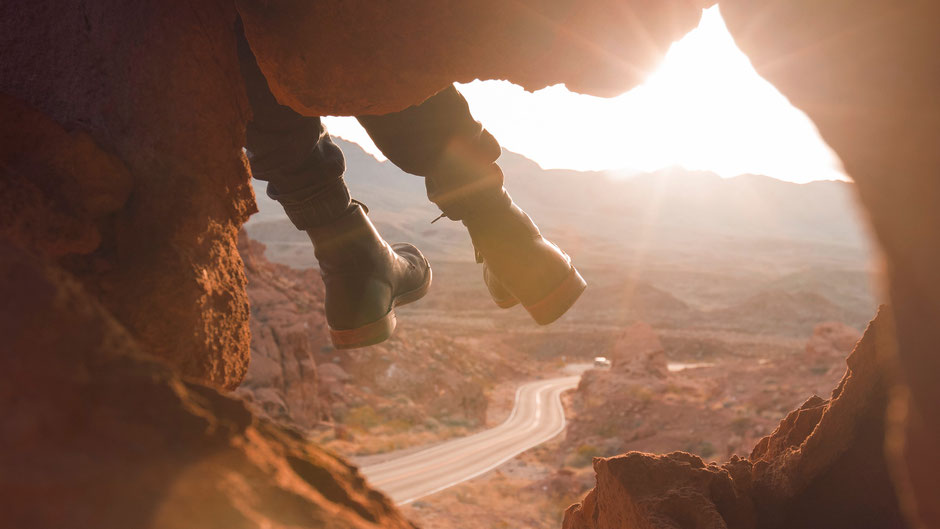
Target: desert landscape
<point>722,305</point>
<point>164,365</point>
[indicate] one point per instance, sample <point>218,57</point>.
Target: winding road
<point>536,417</point>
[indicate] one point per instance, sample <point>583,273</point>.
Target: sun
<point>704,108</point>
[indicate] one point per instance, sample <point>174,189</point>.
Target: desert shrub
<point>431,425</point>
<point>703,449</point>
<point>673,388</point>
<point>451,421</point>
<point>583,455</point>
<point>402,400</point>
<point>606,429</point>
<point>466,497</point>
<point>741,425</point>
<point>554,506</point>
<point>363,417</point>
<point>398,425</point>
<point>706,449</point>
<point>642,394</point>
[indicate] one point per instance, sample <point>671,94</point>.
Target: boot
<point>520,265</point>
<point>365,278</point>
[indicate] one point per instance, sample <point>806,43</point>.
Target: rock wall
<point>137,184</point>
<point>866,73</point>
<point>122,170</point>
<point>96,433</point>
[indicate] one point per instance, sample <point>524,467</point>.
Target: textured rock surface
<point>319,57</point>
<point>867,75</point>
<point>136,184</point>
<point>66,210</point>
<point>151,112</point>
<point>287,328</point>
<point>807,473</point>
<point>97,434</point>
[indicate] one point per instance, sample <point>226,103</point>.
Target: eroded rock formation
<point>602,47</point>
<point>287,328</point>
<point>124,185</point>
<point>866,74</point>
<point>142,185</point>
<point>96,433</point>
<point>822,467</point>
<point>638,352</point>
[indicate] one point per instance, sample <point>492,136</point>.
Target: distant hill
<point>696,238</point>
<point>658,210</point>
<point>778,310</point>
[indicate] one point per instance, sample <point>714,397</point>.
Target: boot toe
<point>498,291</point>
<point>417,279</point>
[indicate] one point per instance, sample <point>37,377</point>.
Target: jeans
<point>437,139</point>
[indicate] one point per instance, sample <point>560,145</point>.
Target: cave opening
<point>168,359</point>
<point>730,276</point>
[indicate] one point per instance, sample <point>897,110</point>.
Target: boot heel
<point>556,303</point>
<point>369,334</point>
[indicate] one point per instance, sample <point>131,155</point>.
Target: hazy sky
<point>704,108</point>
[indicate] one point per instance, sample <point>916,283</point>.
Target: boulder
<point>638,351</point>
<point>96,433</point>
<point>125,125</point>
<point>822,467</point>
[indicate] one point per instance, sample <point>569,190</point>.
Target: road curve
<point>536,417</point>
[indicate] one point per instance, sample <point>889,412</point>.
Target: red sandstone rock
<point>822,467</point>
<point>866,74</point>
<point>96,433</point>
<point>151,99</point>
<point>155,85</point>
<point>677,490</point>
<point>66,210</point>
<point>317,59</point>
<point>288,327</point>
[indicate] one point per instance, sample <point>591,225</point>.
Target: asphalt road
<point>536,417</point>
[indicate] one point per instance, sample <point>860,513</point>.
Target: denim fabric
<point>440,140</point>
<point>293,153</point>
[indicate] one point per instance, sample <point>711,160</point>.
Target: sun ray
<point>704,108</point>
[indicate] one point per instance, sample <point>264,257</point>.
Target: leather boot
<point>365,278</point>
<point>520,265</point>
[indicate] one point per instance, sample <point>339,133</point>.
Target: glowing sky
<point>704,108</point>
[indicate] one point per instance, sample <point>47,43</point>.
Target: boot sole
<point>382,328</point>
<point>558,301</point>
<point>506,303</point>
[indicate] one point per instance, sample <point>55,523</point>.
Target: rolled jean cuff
<point>315,205</point>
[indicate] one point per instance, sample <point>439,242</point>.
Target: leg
<point>441,141</point>
<point>364,277</point>
<point>293,153</point>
